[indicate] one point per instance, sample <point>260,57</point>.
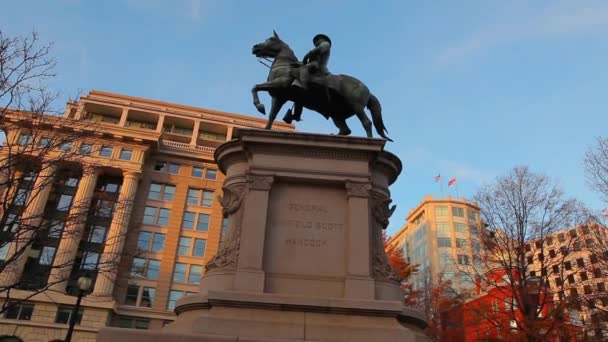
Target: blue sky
<point>469,89</point>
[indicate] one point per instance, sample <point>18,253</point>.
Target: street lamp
<point>84,284</point>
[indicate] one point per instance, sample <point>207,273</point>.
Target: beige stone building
<point>442,237</point>
<point>573,262</point>
<point>155,155</point>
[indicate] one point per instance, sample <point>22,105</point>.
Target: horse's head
<point>270,48</point>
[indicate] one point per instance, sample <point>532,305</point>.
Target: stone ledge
<point>291,303</point>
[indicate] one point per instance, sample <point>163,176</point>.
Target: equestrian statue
<point>310,84</point>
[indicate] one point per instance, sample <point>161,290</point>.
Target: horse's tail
<point>374,106</point>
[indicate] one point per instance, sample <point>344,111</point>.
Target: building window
<point>460,227</point>
<point>199,247</point>
<point>21,311</point>
<point>568,265</point>
<point>463,259</point>
<point>207,198</point>
<point>179,273</point>
<point>203,223</point>
<point>65,146</point>
<point>184,245</point>
<point>472,215</point>
<point>4,250</point>
<point>47,255</point>
<point>158,242</point>
<point>147,297</point>
<point>106,151</point>
<point>126,154</point>
<point>193,195</point>
<point>163,166</point>
<point>25,139</point>
<point>476,246</point>
<point>593,258</point>
<point>157,216</point>
<point>90,260</point>
<point>601,287</point>
<point>174,296</point>
<point>583,276</point>
<point>132,294</point>
<point>456,211</point>
<point>161,192</point>
<point>97,234</point>
<point>86,149</point>
<point>587,289</point>
<point>461,243</point>
<point>444,242</point>
<point>197,172</point>
<point>173,168</point>
<point>44,142</point>
<point>194,277</point>
<point>441,211</point>
<point>143,240</point>
<point>443,228</point>
<point>580,262</point>
<point>132,323</point>
<point>446,260</point>
<point>64,314</point>
<point>153,269</point>
<point>188,221</point>
<point>571,279</point>
<point>138,267</point>
<point>211,174</point>
<point>160,166</point>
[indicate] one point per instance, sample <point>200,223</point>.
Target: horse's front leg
<point>266,86</point>
<point>277,103</point>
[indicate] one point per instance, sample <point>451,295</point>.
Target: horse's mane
<point>288,51</point>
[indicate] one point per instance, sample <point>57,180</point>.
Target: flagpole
<point>456,188</point>
<point>441,187</point>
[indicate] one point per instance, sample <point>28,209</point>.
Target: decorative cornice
<point>304,151</point>
<point>358,189</point>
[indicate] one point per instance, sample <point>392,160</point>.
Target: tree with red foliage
<point>403,268</point>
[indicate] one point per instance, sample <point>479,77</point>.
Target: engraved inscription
<point>307,230</point>
<point>306,242</point>
<point>308,225</point>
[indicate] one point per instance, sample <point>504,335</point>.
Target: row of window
<point>186,247</point>
<point>456,211</point>
<point>166,192</point>
<point>447,242</point>
<point>143,296</point>
<point>173,168</point>
<point>85,148</point>
<point>23,311</point>
<point>184,273</point>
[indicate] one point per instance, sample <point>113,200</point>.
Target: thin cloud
<point>562,18</point>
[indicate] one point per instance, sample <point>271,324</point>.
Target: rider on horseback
<point>315,63</point>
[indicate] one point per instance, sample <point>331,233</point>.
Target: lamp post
<point>84,284</point>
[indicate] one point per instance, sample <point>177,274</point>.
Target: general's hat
<point>321,36</point>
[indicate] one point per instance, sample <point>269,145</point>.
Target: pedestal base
<point>252,317</point>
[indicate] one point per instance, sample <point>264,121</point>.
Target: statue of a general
<point>310,84</point>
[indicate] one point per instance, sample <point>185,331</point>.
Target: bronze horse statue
<point>337,97</point>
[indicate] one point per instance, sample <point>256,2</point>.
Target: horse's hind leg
<point>341,124</point>
<point>367,124</point>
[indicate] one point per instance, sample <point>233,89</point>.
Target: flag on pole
<point>437,178</point>
<point>452,181</point>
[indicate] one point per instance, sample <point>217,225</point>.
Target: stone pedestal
<point>303,259</point>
